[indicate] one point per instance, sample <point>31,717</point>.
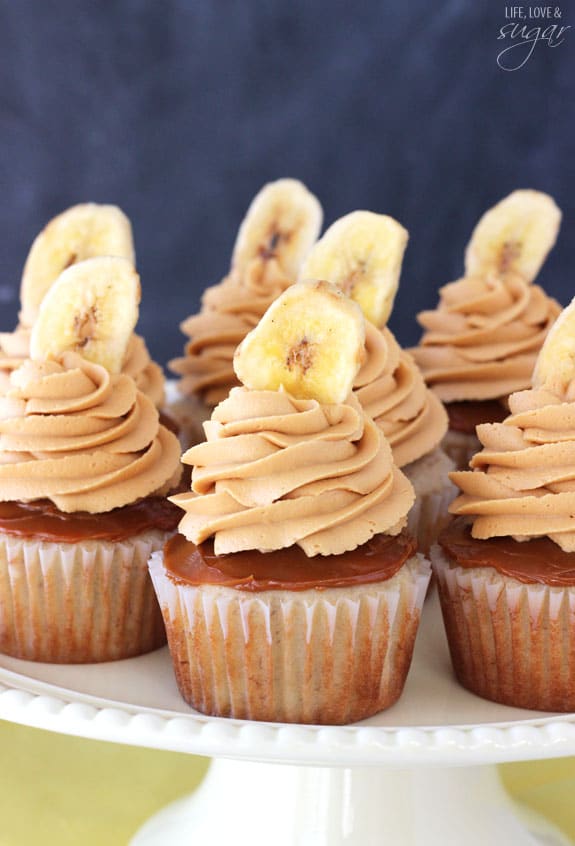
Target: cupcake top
<point>522,482</point>
<point>281,225</point>
<point>482,340</point>
<point>73,429</point>
<point>362,254</point>
<point>81,232</point>
<point>282,466</point>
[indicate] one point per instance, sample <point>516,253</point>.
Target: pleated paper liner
<point>78,603</point>
<point>329,656</point>
<point>510,642</point>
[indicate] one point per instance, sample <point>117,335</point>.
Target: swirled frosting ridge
<point>277,471</point>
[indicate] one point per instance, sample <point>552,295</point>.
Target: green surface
<point>63,791</point>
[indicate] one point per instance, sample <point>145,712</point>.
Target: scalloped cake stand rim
<point>481,735</point>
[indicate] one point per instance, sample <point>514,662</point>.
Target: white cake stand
<point>420,773</point>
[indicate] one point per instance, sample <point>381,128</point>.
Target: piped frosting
<point>277,471</point>
<point>484,337</point>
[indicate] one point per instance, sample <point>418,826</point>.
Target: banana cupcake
<point>292,592</point>
<point>362,254</point>
<point>280,227</point>
<point>481,342</point>
<point>84,231</point>
<point>506,565</point>
<point>84,469</point>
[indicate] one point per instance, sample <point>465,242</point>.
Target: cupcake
<point>281,225</point>
<point>84,231</point>
<point>481,342</point>
<point>292,592</point>
<point>84,469</point>
<point>506,565</point>
<point>362,254</point>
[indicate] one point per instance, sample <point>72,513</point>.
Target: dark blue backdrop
<point>179,111</point>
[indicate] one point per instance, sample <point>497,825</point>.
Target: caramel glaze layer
<point>41,520</point>
<point>286,569</point>
<point>537,561</point>
<point>465,416</point>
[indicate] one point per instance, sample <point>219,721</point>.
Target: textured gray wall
<point>178,111</point>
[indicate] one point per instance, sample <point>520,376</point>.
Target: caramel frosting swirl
<point>523,481</point>
<point>482,340</point>
<point>229,311</point>
<point>392,391</point>
<point>87,440</point>
<point>277,471</point>
<point>148,376</point>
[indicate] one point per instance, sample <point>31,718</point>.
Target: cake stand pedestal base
<point>255,804</point>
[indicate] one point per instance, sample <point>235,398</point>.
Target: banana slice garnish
<point>92,309</point>
<point>555,365</point>
<point>81,232</point>
<point>311,341</point>
<point>362,254</point>
<point>514,236</point>
<point>283,222</point>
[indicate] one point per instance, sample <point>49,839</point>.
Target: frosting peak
<point>483,339</point>
<point>277,471</point>
<point>148,376</point>
<point>229,311</point>
<point>87,440</point>
<point>523,481</point>
<point>391,389</point>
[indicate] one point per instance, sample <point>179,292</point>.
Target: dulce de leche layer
<point>41,520</point>
<point>286,569</point>
<point>537,561</point>
<point>465,416</point>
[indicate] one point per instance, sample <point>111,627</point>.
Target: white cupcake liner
<point>328,656</point>
<point>79,602</point>
<point>433,494</point>
<point>460,447</point>
<point>510,642</point>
